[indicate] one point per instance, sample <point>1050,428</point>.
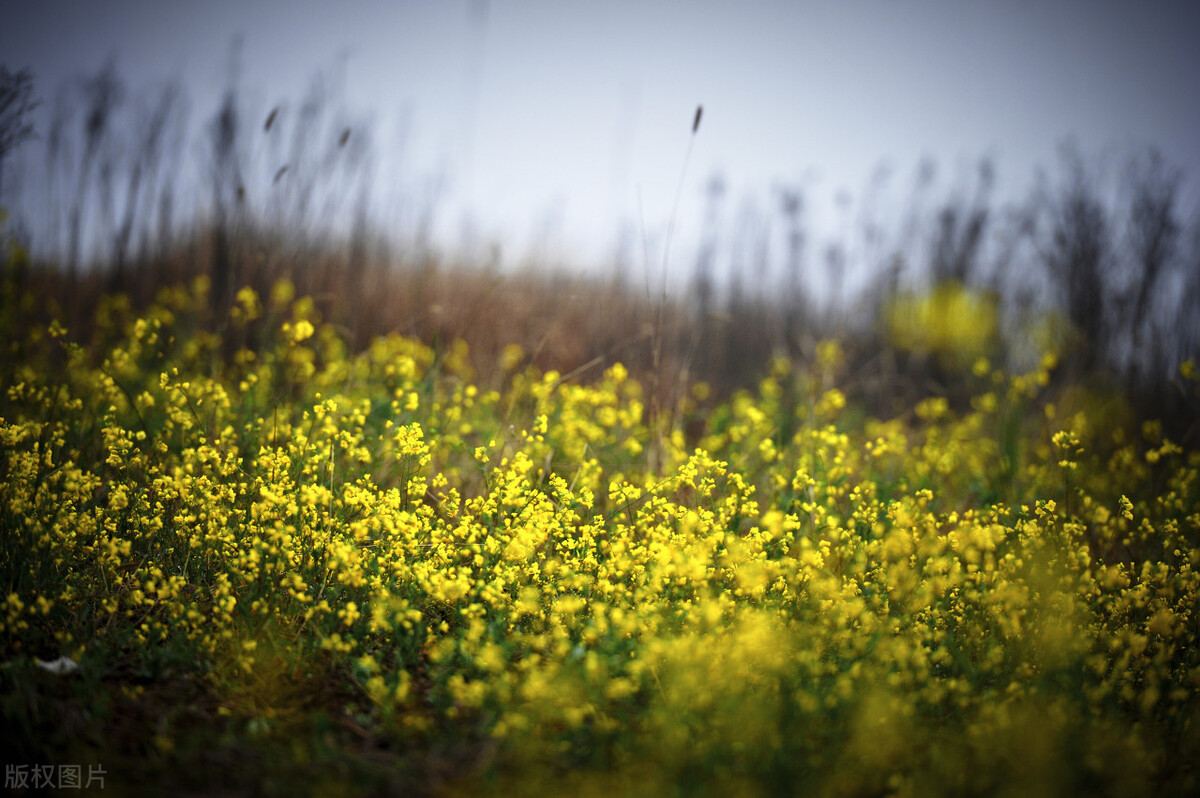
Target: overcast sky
<point>559,119</point>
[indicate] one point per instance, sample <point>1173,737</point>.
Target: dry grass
<point>573,324</point>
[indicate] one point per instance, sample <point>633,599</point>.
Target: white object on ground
<point>59,666</point>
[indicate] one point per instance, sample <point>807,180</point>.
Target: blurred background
<point>933,182</point>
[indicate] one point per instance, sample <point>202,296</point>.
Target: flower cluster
<point>796,598</point>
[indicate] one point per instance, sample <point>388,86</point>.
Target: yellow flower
<point>1126,508</point>
<point>302,330</point>
<point>510,357</point>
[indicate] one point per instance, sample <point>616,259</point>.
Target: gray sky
<point>551,119</point>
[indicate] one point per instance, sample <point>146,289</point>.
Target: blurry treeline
<point>1101,269</point>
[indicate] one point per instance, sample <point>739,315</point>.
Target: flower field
<point>280,565</point>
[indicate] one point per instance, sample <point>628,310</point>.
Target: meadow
<point>285,514</point>
<point>282,564</point>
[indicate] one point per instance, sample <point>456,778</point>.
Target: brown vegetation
<point>1121,276</point>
